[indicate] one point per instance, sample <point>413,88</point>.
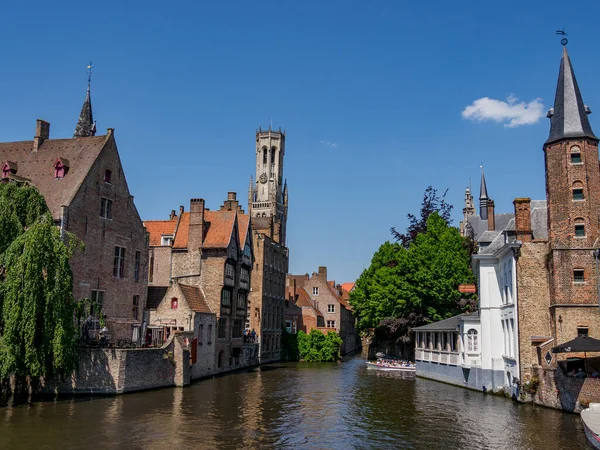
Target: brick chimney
<point>323,272</point>
<point>491,217</point>
<point>523,219</point>
<point>195,235</point>
<point>42,132</point>
<point>172,215</point>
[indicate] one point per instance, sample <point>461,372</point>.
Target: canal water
<point>293,405</point>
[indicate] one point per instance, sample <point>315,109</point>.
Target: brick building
<point>84,185</point>
<point>557,276</point>
<point>267,207</point>
<point>322,306</point>
<point>209,253</point>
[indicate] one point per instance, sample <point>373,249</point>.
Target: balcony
<point>261,205</point>
<point>450,358</point>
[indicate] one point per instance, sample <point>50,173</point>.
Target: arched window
<point>264,156</point>
<point>174,303</point>
<point>575,155</point>
<point>578,190</point>
<point>579,227</point>
<point>472,344</point>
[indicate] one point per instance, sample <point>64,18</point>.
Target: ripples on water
<point>321,406</point>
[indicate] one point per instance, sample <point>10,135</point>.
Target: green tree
<point>318,347</point>
<point>37,331</point>
<point>414,285</point>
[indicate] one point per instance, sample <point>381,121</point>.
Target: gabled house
<point>84,185</point>
<point>210,251</point>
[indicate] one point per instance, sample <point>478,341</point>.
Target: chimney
<point>523,219</point>
<point>323,272</point>
<point>195,236</point>
<point>231,204</point>
<point>231,195</point>
<point>181,209</point>
<point>491,217</point>
<point>42,132</point>
<point>172,215</point>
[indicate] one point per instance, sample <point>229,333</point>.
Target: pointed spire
<point>483,197</point>
<point>86,125</point>
<point>568,118</point>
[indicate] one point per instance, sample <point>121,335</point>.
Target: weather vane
<point>89,72</point>
<point>562,32</point>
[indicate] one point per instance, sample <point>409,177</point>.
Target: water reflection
<point>293,406</point>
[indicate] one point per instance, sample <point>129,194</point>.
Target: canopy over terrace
<point>580,344</point>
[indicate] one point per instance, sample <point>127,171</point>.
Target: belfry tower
<point>268,196</point>
<point>573,195</point>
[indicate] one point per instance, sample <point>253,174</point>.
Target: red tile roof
<point>160,228</point>
<point>195,298</point>
<point>220,228</point>
<point>342,301</point>
<point>347,287</point>
<point>183,231</point>
<point>305,301</point>
<point>243,222</point>
<point>39,166</point>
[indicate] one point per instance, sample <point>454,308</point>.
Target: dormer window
<point>8,168</point>
<point>61,167</point>
<point>107,174</point>
<point>166,240</point>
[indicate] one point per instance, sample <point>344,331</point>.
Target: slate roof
<point>480,226</point>
<point>450,324</point>
<point>38,167</point>
<point>539,219</point>
<point>155,296</point>
<point>195,299</point>
<point>569,117</point>
<point>85,125</point>
<point>160,228</point>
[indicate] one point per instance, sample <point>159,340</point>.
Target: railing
<point>437,356</point>
<point>260,205</point>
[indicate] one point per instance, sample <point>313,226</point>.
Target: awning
<point>579,344</point>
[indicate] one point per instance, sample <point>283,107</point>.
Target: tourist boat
<point>591,423</point>
<point>396,366</point>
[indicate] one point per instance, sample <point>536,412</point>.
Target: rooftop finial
<point>90,73</point>
<point>563,41</point>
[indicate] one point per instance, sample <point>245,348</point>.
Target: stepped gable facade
<point>211,252</point>
<point>84,185</point>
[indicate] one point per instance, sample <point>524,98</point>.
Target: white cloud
<point>510,112</point>
<point>329,144</point>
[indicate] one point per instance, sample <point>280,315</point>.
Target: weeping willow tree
<point>37,331</point>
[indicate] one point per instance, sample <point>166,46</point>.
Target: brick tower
<point>573,195</point>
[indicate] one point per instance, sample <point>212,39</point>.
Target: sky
<point>379,99</point>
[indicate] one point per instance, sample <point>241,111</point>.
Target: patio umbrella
<point>579,344</point>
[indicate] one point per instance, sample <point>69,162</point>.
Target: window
<point>166,240</point>
<point>582,331</point>
<point>174,303</point>
<point>576,158</point>
<point>578,190</point>
<point>578,276</point>
<point>244,276</point>
<point>229,271</point>
<point>60,170</point>
<point>331,324</point>
<point>226,298</point>
<point>222,328</point>
<point>241,300</point>
<point>106,208</point>
<point>472,344</point>
<point>273,155</point>
<point>136,266</point>
<point>97,298</point>
<point>264,155</point>
<point>579,230</point>
<point>119,263</point>
<point>135,309</point>
<point>209,336</point>
<point>315,291</point>
<point>237,329</point>
<point>330,308</point>
<point>107,174</point>
<point>200,333</point>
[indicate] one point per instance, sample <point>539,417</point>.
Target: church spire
<point>568,118</point>
<point>86,125</point>
<point>483,197</point>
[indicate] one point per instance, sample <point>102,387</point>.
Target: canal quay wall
<point>557,390</point>
<point>111,371</point>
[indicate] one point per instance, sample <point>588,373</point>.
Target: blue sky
<point>371,95</point>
